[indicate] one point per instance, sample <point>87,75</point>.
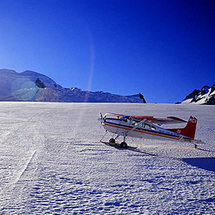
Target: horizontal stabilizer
<point>176,119</point>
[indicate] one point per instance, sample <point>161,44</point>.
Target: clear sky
<point>161,48</point>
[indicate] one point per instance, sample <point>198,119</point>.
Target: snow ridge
<point>33,86</point>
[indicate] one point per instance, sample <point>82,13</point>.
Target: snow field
<point>51,162</point>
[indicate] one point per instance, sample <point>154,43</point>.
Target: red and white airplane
<point>148,127</point>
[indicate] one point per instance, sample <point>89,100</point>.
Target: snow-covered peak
<point>7,71</point>
<point>204,96</point>
<point>48,82</point>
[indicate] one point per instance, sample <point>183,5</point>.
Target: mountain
<point>204,96</point>
<point>33,86</point>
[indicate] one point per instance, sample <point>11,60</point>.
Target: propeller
<point>101,119</point>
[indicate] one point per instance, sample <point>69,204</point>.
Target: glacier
<point>51,162</point>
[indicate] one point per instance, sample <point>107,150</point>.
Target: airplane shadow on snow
<point>130,148</point>
<point>207,163</point>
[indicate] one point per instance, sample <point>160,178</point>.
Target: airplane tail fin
<point>189,130</point>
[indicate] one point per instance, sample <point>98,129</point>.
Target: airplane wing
<point>152,119</point>
<point>167,120</point>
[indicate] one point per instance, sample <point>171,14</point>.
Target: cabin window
<point>141,124</point>
<point>125,119</point>
<point>134,123</point>
<point>153,128</point>
<point>146,126</point>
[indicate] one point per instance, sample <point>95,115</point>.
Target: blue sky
<point>163,49</point>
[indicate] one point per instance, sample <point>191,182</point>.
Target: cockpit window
<point>125,119</point>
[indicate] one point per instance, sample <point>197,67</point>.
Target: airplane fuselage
<point>140,130</point>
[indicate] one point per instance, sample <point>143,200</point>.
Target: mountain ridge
<point>34,86</point>
<point>206,95</point>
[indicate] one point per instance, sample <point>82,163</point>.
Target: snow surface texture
<point>51,162</point>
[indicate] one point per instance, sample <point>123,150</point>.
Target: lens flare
<point>23,89</point>
<point>91,68</point>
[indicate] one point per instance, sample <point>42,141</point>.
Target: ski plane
<point>148,127</point>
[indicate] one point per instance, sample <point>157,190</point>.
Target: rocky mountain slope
<point>33,86</point>
<point>206,95</point>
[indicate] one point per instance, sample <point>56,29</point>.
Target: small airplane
<point>148,127</point>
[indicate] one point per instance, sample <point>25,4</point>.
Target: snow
<point>51,162</point>
<point>187,101</point>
